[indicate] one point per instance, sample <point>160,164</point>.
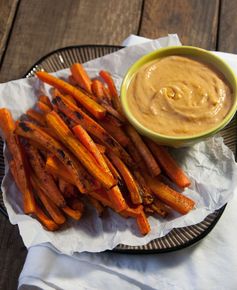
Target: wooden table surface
<point>31,28</point>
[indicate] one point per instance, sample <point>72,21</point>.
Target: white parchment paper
<point>210,165</point>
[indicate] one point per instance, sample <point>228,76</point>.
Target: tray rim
<point>190,242</point>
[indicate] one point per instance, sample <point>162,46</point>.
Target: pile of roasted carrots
<point>79,148</point>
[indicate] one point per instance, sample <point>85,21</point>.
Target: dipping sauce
<point>179,96</point>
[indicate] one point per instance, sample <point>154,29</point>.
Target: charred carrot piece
<point>113,112</point>
<point>45,179</point>
<point>7,123</point>
<point>56,93</point>
<point>170,166</point>
<point>43,107</point>
<point>81,118</point>
<point>144,189</point>
<point>117,199</point>
<point>160,208</point>
<point>151,163</point>
<point>101,148</point>
<point>7,126</point>
<point>110,83</point>
<point>82,179</point>
<point>111,167</point>
<point>76,204</point>
<point>128,178</point>
<point>107,95</point>
<point>81,77</point>
<point>51,208</point>
<point>36,116</point>
<point>86,140</point>
<point>172,198</point>
<point>136,156</point>
<point>55,166</point>
<point>60,128</point>
<point>116,132</point>
<point>97,89</point>
<point>45,99</point>
<point>143,223</point>
<point>73,213</point>
<point>95,109</point>
<point>66,188</point>
<point>72,81</point>
<point>102,196</point>
<point>45,221</point>
<point>132,211</point>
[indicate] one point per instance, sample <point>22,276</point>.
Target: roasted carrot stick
<point>43,107</point>
<point>113,112</point>
<point>45,99</point>
<point>128,178</point>
<point>143,223</point>
<point>97,89</point>
<point>51,208</point>
<point>109,81</point>
<point>66,188</point>
<point>117,199</point>
<point>76,204</point>
<point>46,221</point>
<point>82,179</point>
<point>55,166</point>
<point>95,109</point>
<point>172,198</point>
<point>132,211</point>
<point>81,118</point>
<point>73,213</point>
<point>116,132</point>
<point>45,179</point>
<point>101,148</point>
<point>102,196</point>
<point>107,95</point>
<point>151,163</point>
<point>59,127</point>
<point>7,126</point>
<point>81,77</point>
<point>170,166</point>
<point>112,168</point>
<point>145,191</point>
<point>86,140</point>
<point>136,156</point>
<point>39,118</point>
<point>160,208</point>
<point>72,81</point>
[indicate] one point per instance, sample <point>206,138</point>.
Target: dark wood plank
<point>7,13</point>
<point>42,26</point>
<point>195,21</point>
<point>227,40</point>
<point>12,254</point>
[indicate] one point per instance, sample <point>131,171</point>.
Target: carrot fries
<point>81,77</point>
<point>19,170</point>
<point>148,158</point>
<point>170,166</point>
<point>81,178</point>
<point>61,129</point>
<point>79,148</point>
<point>95,109</point>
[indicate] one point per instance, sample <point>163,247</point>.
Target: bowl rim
<point>147,58</point>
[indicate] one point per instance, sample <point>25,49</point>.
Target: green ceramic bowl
<point>198,53</point>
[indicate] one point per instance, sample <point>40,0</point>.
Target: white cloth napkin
<point>210,264</point>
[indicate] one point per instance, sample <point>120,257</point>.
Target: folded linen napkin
<point>209,264</point>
